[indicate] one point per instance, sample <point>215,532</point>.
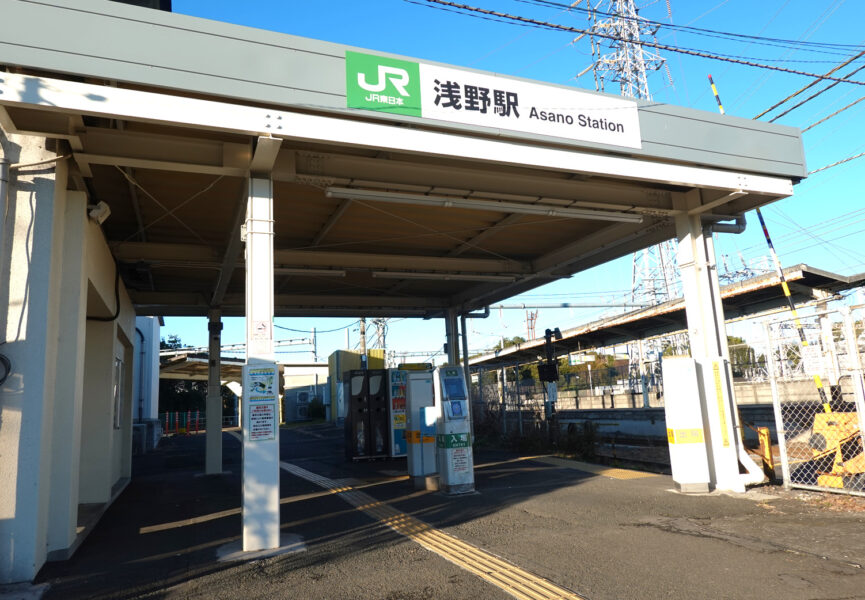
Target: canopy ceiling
<point>372,216</point>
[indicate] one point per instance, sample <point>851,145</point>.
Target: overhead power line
<point>810,85</point>
<point>834,114</point>
<point>728,35</point>
<point>840,162</point>
<point>814,95</point>
<point>344,327</point>
<point>466,9</point>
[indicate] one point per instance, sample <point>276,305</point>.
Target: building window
<point>118,392</point>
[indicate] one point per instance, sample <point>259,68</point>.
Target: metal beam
<point>331,221</point>
<point>363,260</point>
<point>264,157</point>
<point>232,248</point>
<point>484,234</point>
<point>54,95</point>
<point>200,256</point>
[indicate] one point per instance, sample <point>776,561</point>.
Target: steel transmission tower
<point>618,56</point>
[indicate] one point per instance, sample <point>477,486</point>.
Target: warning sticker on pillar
<point>722,413</point>
<point>261,383</point>
<point>262,422</point>
<point>261,330</point>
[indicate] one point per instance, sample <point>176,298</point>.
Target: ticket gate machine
<point>453,438</point>
<point>420,431</point>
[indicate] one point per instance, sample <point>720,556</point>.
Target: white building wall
<point>145,386</point>
<point>55,270</point>
<point>27,301</point>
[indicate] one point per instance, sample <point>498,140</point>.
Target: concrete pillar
<point>33,220</point>
<point>66,434</point>
<point>708,340</point>
<point>213,442</point>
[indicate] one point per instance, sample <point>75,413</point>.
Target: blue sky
<point>823,224</point>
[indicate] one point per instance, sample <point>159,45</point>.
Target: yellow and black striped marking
<point>717,97</point>
<point>505,575</point>
<point>802,339</point>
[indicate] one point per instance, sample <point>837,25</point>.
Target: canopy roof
<point>741,299</point>
<point>166,117</point>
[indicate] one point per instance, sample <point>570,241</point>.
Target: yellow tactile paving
<point>505,575</point>
<point>595,469</point>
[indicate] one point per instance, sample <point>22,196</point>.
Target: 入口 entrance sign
<point>422,90</point>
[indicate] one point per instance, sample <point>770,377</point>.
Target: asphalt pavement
<point>542,527</point>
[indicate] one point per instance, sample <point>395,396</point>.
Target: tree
<point>512,341</point>
<point>173,343</point>
<point>743,358</point>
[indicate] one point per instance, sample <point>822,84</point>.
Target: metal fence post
<point>776,402</point>
<point>519,399</point>
<point>855,367</point>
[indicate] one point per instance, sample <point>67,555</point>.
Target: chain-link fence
<point>817,391</point>
<point>504,404</point>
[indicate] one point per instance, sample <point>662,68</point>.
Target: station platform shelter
<point>158,164</point>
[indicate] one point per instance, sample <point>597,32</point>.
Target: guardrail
<point>190,422</point>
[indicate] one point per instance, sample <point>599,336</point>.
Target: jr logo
<point>382,84</point>
<point>399,78</point>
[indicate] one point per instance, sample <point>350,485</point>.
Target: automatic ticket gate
<point>367,427</point>
<point>421,418</point>
<point>453,438</point>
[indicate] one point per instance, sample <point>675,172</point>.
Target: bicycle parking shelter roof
<point>165,117</point>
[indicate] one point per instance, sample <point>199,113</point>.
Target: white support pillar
<point>708,340</point>
<point>644,380</point>
<point>31,233</point>
<point>66,435</point>
<point>213,409</point>
<point>260,498</point>
<point>452,337</point>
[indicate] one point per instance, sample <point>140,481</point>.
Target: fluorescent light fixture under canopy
<point>547,210</point>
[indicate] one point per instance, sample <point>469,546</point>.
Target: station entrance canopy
<point>401,188</point>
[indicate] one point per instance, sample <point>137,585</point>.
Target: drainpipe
<point>4,179</point>
<point>4,176</point>
<point>480,315</point>
<point>754,474</point>
<point>5,363</point>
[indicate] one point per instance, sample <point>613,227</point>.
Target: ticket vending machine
<point>397,416</point>
<point>453,438</point>
<point>421,418</point>
<point>366,421</point>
